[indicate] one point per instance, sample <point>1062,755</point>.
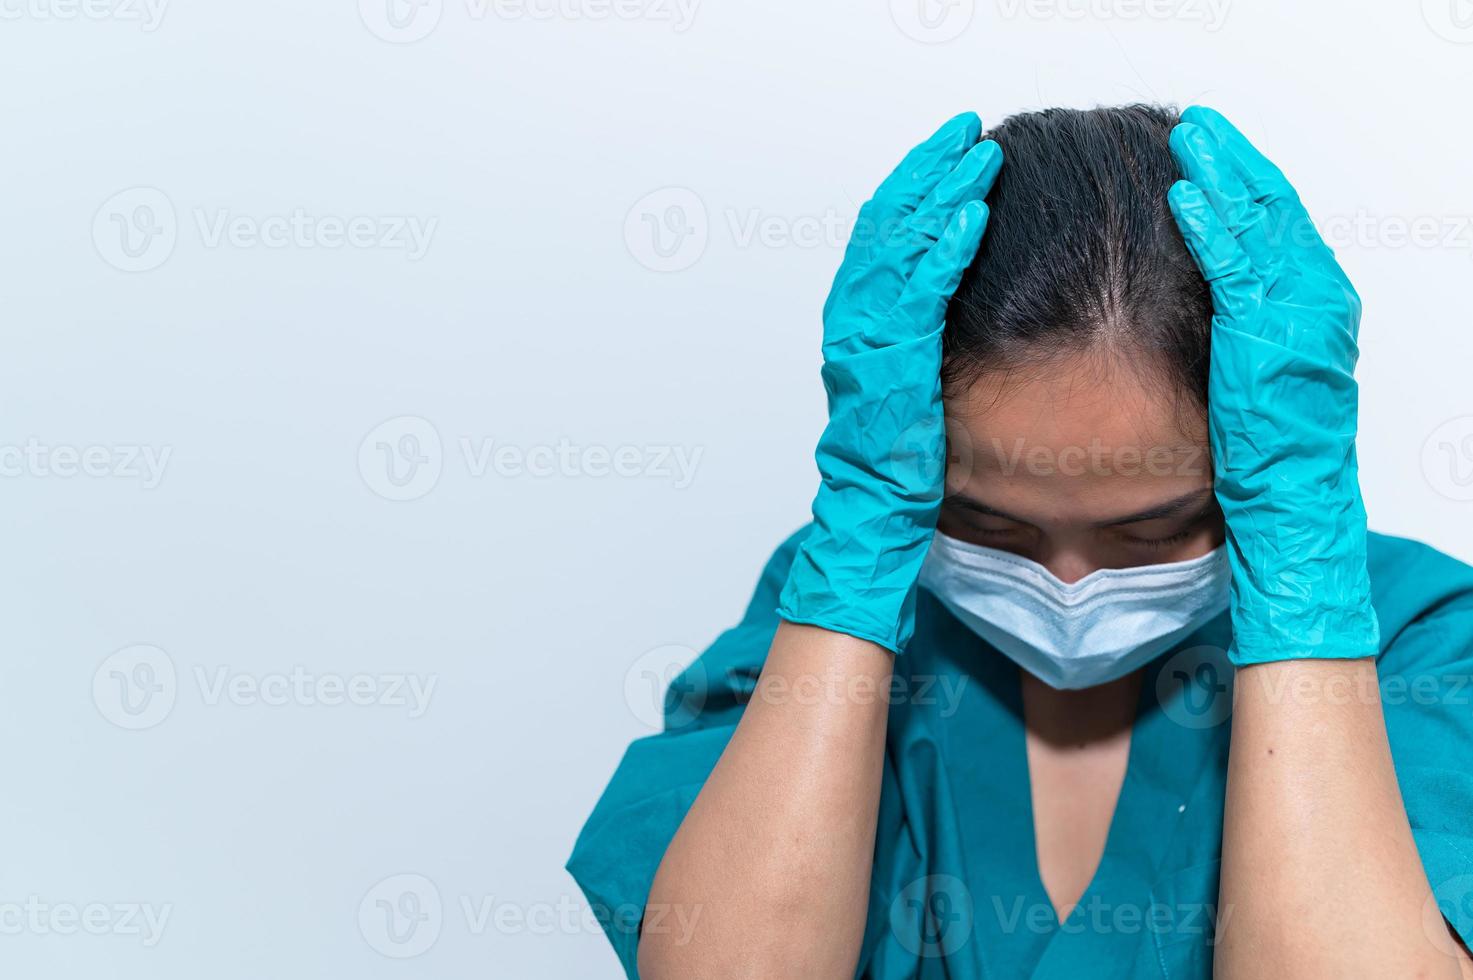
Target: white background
<point>525,140</point>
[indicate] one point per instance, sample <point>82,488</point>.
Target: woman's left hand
<point>1312,807</point>
<point>1281,401</point>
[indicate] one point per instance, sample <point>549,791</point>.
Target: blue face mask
<point>1077,634</point>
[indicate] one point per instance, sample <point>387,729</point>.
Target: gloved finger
<point>970,181</point>
<point>1311,278</point>
<point>881,218</point>
<point>923,168</point>
<point>923,302</point>
<point>1264,180</point>
<point>1237,291</point>
<point>1205,164</point>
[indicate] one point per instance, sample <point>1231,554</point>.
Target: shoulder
<point>1423,600</point>
<point>713,689</point>
<point>774,573</point>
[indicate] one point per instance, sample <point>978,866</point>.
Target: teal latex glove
<point>882,457</point>
<point>1281,402</point>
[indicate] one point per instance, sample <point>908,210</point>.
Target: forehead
<point>1075,400</point>
<point>1074,437</point>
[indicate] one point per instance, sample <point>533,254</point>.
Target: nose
<point>1068,565</point>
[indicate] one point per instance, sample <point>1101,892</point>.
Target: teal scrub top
<point>955,890</point>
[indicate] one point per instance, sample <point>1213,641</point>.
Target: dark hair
<point>1082,253</point>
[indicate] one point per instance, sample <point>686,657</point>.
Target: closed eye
<point>1166,542</point>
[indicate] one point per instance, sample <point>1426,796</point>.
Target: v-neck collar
<point>985,771</point>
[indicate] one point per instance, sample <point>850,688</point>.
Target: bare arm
<point>1320,874</point>
<point>773,860</point>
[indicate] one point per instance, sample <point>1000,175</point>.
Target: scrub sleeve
<point>616,856</point>
<point>1424,600</point>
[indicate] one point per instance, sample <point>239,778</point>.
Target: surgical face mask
<point>1077,634</point>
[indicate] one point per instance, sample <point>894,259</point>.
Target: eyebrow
<point>1169,508</point>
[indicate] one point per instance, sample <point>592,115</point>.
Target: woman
<point>1125,687</point>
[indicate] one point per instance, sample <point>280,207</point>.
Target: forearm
<point>1320,874</point>
<point>774,856</point>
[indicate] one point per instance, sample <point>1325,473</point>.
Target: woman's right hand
<point>780,841</point>
<point>882,456</point>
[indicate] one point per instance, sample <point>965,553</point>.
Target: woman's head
<point>1077,353</point>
